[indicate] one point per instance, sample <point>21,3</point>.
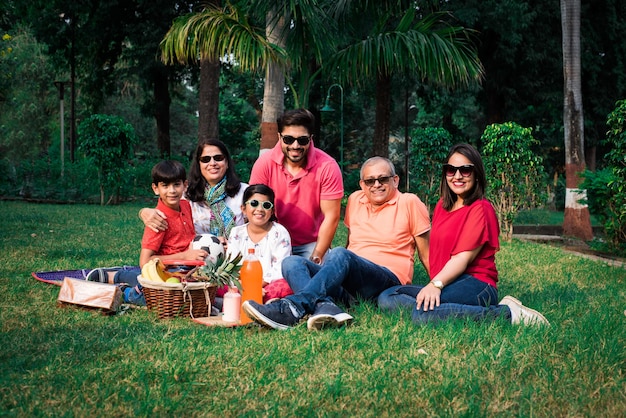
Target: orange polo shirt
<point>386,235</point>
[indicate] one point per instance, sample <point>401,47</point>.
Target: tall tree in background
<point>400,41</point>
<point>576,220</point>
<point>274,90</point>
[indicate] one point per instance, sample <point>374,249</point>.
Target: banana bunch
<point>155,270</point>
<point>224,272</point>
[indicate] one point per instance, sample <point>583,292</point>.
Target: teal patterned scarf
<point>216,198</point>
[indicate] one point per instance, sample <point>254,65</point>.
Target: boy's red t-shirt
<point>178,235</point>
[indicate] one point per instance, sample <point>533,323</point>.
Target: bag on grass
<point>107,297</point>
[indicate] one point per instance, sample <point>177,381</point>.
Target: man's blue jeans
<point>466,297</point>
<point>343,276</point>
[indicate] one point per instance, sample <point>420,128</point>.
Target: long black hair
<point>197,183</point>
<point>480,182</point>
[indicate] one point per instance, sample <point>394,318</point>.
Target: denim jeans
<point>304,250</point>
<point>132,294</point>
<point>343,276</point>
<point>466,297</point>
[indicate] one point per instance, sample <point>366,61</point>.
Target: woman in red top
<point>463,244</point>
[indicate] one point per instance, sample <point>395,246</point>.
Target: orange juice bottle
<point>251,278</point>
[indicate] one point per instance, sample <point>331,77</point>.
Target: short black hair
<point>263,189</point>
<point>297,117</point>
<point>168,171</point>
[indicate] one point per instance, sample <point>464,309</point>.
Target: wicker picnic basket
<point>189,299</point>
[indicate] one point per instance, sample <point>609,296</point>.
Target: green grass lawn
<point>73,362</point>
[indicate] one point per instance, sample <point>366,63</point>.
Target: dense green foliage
<point>107,142</point>
<point>607,188</point>
<point>429,148</point>
<point>114,47</point>
<point>514,171</point>
<point>73,362</point>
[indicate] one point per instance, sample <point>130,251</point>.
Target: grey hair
<point>375,160</point>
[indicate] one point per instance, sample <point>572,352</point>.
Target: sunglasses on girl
<point>267,205</point>
<point>465,170</point>
<point>217,158</point>
<point>302,140</point>
<point>382,180</point>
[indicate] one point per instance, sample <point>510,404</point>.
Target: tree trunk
<point>380,145</point>
<point>209,95</point>
<point>162,102</point>
<point>209,99</point>
<point>274,93</point>
<point>576,220</point>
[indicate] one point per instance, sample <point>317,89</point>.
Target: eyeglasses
<point>302,140</point>
<point>267,205</point>
<point>465,170</point>
<point>382,180</point>
<point>217,158</point>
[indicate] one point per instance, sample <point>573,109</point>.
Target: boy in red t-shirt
<point>169,181</point>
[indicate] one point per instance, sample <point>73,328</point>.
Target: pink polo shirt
<point>298,198</point>
<point>386,235</point>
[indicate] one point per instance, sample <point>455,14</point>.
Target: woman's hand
<point>153,219</point>
<point>429,296</point>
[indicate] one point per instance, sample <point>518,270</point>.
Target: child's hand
<point>195,255</point>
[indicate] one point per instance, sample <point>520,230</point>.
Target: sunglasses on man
<point>302,140</point>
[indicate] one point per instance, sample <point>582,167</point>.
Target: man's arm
<point>332,212</point>
<point>423,248</point>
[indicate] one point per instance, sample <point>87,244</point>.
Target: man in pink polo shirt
<point>386,229</point>
<point>307,183</point>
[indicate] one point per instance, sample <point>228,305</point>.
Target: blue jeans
<point>343,277</point>
<point>304,250</point>
<point>466,297</point>
<point>132,294</point>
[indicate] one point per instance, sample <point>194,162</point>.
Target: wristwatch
<point>438,284</point>
<point>316,259</point>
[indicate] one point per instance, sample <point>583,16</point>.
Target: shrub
<point>515,175</point>
<point>107,140</point>
<point>429,149</point>
<point>606,189</point>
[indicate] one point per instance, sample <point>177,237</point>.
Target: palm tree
<point>576,221</point>
<point>426,47</point>
<point>210,35</point>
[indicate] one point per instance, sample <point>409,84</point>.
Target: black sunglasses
<point>302,140</point>
<point>382,180</point>
<point>465,170</point>
<point>267,205</point>
<point>217,157</point>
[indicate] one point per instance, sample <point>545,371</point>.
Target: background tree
<point>514,170</point>
<point>576,220</point>
<point>107,141</point>
<point>398,40</point>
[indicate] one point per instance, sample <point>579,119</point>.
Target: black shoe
<point>327,314</point>
<point>278,315</point>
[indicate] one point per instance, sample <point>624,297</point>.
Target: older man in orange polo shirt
<point>385,230</point>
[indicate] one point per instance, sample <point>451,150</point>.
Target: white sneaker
<point>327,315</point>
<point>521,314</point>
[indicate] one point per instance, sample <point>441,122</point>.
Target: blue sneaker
<point>278,315</point>
<point>134,295</point>
<point>327,314</point>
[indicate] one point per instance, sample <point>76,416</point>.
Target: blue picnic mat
<point>56,277</point>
